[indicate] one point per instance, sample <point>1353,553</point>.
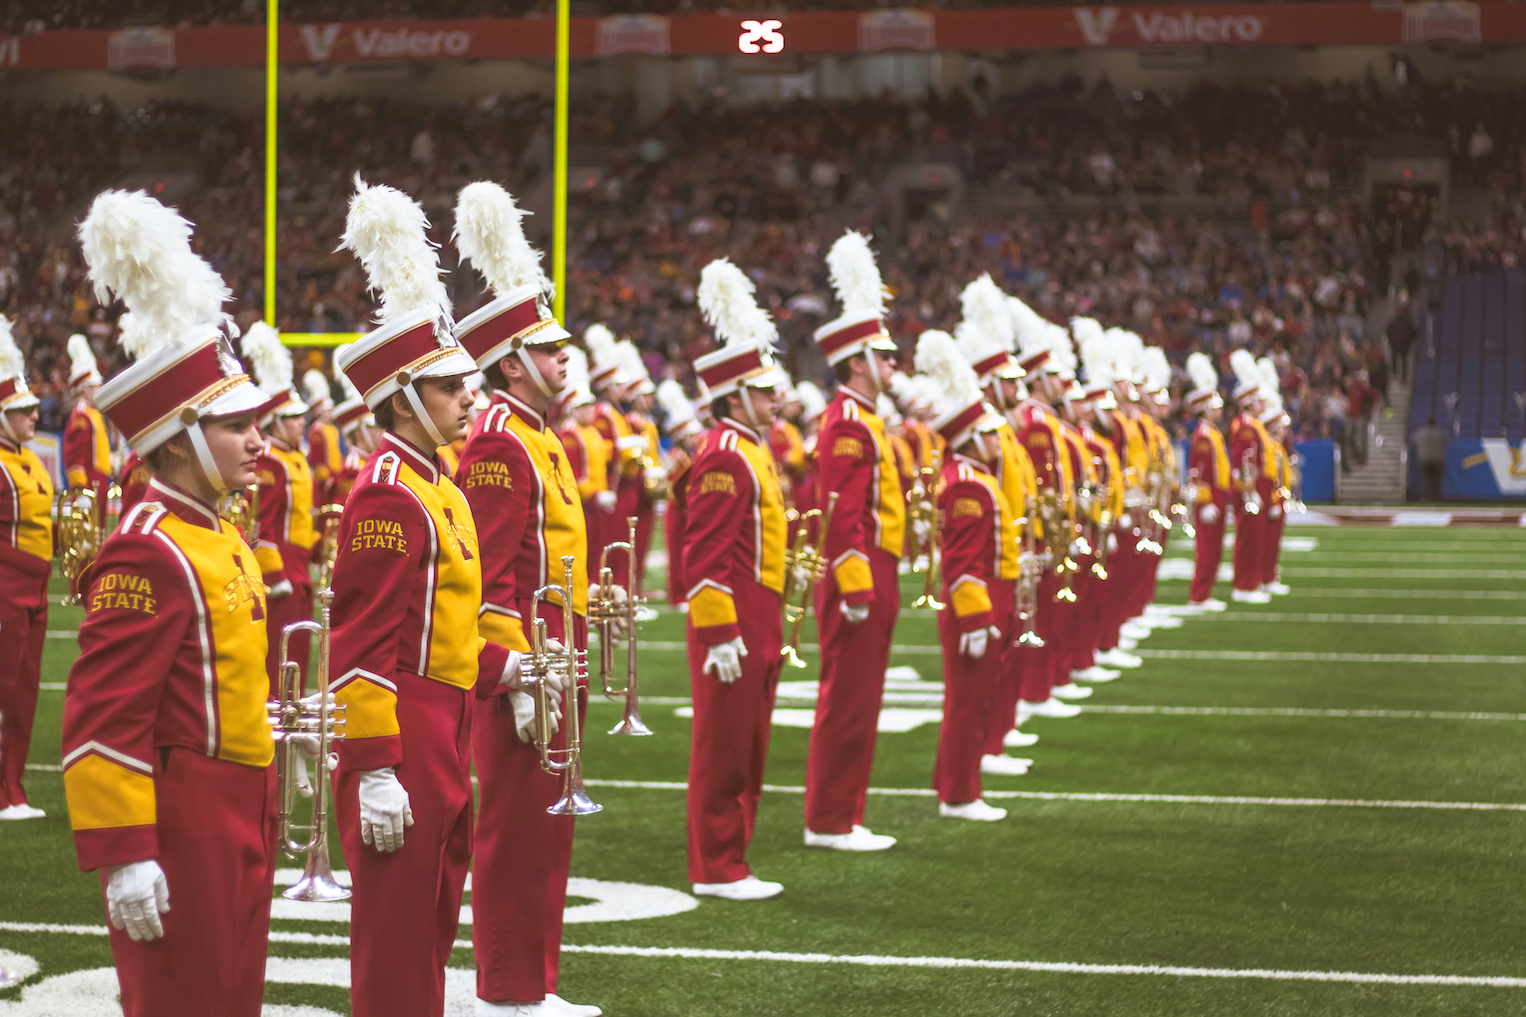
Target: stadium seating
<point>1470,370</point>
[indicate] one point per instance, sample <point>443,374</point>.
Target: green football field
<point>1316,806</point>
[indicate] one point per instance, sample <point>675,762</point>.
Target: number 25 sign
<point>761,37</point>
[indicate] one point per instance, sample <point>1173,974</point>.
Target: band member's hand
<point>856,614</point>
<point>619,626</point>
<point>384,809</point>
<point>136,895</point>
<point>653,476</point>
<point>605,501</point>
<point>1125,521</point>
<point>512,677</point>
<point>1112,543</point>
<point>921,532</point>
<point>725,660</point>
<point>1274,511</point>
<point>1209,514</point>
<point>279,590</point>
<point>525,713</point>
<point>973,644</point>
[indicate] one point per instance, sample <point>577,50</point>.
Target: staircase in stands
<point>1380,481</point>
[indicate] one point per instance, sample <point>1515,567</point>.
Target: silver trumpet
<point>298,719</point>
<point>605,613</point>
<point>1029,570</point>
<point>565,667</point>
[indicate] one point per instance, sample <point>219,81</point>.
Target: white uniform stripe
<point>204,631</point>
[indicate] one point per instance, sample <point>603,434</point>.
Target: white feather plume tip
<point>271,361</point>
<point>726,300</point>
<point>1243,363</point>
<point>603,348</point>
<point>985,310</point>
<point>670,396</point>
<point>1200,370</point>
<point>81,356</point>
<point>1157,369</point>
<point>490,234</point>
<point>138,251</point>
<point>12,364</point>
<point>1271,381</point>
<point>951,380</point>
<point>387,232</point>
<point>856,275</point>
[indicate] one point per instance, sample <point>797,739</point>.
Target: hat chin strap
<point>747,410</point>
<point>534,372</point>
<point>412,395</point>
<point>204,457</point>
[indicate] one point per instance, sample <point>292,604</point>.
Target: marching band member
<point>1249,464</point>
<point>733,560</point>
<point>1279,475</point>
<point>286,536</point>
<point>788,448</point>
<point>587,452</point>
<point>1094,415</point>
<point>1207,481</point>
<point>979,550</point>
<point>609,381</point>
<point>643,476</point>
<point>688,435</point>
<point>166,748</point>
<point>356,422</point>
<point>325,455</point>
<point>530,516</point>
<point>859,599</point>
<point>87,437</point>
<point>1072,613</point>
<point>407,649</point>
<point>26,559</point>
<point>813,405</point>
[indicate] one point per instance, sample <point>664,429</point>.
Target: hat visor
<point>771,377</point>
<point>22,402</point>
<point>243,398</point>
<point>454,364</point>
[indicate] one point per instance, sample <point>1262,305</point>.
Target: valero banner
<point>1488,469</point>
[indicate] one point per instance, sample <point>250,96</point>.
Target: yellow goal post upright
<point>559,174</point>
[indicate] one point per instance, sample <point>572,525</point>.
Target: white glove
<point>1274,512</point>
<point>1112,543</point>
<point>725,659</point>
<point>384,809</point>
<point>136,895</point>
<point>632,441</point>
<point>524,713</point>
<point>1209,514</point>
<point>1125,522</point>
<point>654,475</point>
<point>512,676</point>
<point>605,501</point>
<point>855,613</point>
<point>618,592</point>
<point>921,532</point>
<point>279,590</point>
<point>973,644</point>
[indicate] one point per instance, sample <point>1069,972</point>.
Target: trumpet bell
<point>575,803</point>
<point>631,724</point>
<point>317,882</point>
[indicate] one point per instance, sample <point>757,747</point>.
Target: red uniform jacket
<point>854,458</point>
<point>135,478</point>
<point>977,540</point>
<point>675,525</point>
<point>1208,464</point>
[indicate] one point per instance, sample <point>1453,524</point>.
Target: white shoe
<point>1134,631</point>
<point>746,888</point>
<point>1152,621</point>
<point>542,1008</point>
<point>1210,605</point>
<point>1071,691</point>
<point>1118,658</point>
<point>1095,673</point>
<point>21,812</point>
<point>581,1009</point>
<point>1015,739</point>
<point>1251,597</point>
<point>1166,610</point>
<point>1050,707</point>
<point>1004,766</point>
<point>1277,589</point>
<point>976,810</point>
<point>861,839</point>
<point>1125,643</point>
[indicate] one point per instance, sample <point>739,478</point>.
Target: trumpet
<point>805,561</point>
<point>328,544</point>
<point>565,666</point>
<point>1251,502</point>
<point>605,612</point>
<point>242,509</point>
<point>79,536</point>
<point>921,508</point>
<point>1029,569</point>
<point>1104,526</point>
<point>1059,533</point>
<point>298,718</point>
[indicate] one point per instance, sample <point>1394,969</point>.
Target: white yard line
<point>892,961</point>
<point>1296,656</point>
<point>1430,593</point>
<point>1275,711</point>
<point>1355,619</point>
<point>1324,573</point>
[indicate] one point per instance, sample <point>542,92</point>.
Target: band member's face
<point>1008,388</point>
<point>287,429</point>
<point>882,363</point>
<point>449,404</point>
<point>236,443</point>
<point>363,437</point>
<point>988,446</point>
<point>23,423</point>
<point>763,402</point>
<point>584,414</point>
<point>551,362</point>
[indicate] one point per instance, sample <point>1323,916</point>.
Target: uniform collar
<point>865,402</point>
<point>186,507</point>
<point>742,429</point>
<point>975,464</point>
<point>8,445</point>
<point>426,466</point>
<point>278,443</point>
<point>533,417</point>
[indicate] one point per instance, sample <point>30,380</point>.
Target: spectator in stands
<point>1401,336</point>
<point>1480,153</point>
<point>1360,399</point>
<point>1430,444</point>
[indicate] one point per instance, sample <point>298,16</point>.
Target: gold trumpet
<point>606,613</point>
<point>1030,568</point>
<point>1251,502</point>
<point>298,719</point>
<point>806,561</point>
<point>242,509</point>
<point>79,536</point>
<point>541,668</point>
<point>1060,528</point>
<point>328,544</point>
<point>922,508</point>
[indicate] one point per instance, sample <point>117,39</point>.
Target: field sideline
<point>1316,806</point>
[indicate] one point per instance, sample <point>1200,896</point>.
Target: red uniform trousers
<point>592,519</point>
<point>1209,550</point>
<point>633,501</point>
<point>1126,568</point>
<point>1275,521</point>
<point>1250,539</point>
<point>217,847</point>
<point>1086,621</point>
<point>407,904</point>
<point>283,611</point>
<point>1034,665</point>
<point>23,630</point>
<point>970,693</point>
<point>523,853</point>
<point>729,743</point>
<point>853,662</point>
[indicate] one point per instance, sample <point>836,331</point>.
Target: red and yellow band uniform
<point>1248,450</point>
<point>1097,624</point>
<point>675,522</point>
<point>344,480</point>
<point>407,657</point>
<point>979,549</point>
<point>1018,484</point>
<point>862,550</point>
<point>167,752</point>
<point>26,558</point>
<point>450,456</point>
<point>87,452</point>
<point>1073,618</point>
<point>135,478</point>
<point>326,457</point>
<point>1042,436</point>
<point>1163,458</point>
<point>633,497</point>
<point>733,559</point>
<point>529,514</point>
<point>1276,516</point>
<point>588,460</point>
<point>285,544</point>
<point>613,428</point>
<point>1208,470</point>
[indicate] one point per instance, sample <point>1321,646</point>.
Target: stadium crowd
<point>1069,203</point>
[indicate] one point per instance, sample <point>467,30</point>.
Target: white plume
<point>138,251</point>
<point>577,370</point>
<point>952,380</point>
<point>1200,370</point>
<point>631,364</point>
<point>1271,381</point>
<point>1061,350</point>
<point>12,364</point>
<point>726,300</point>
<point>676,405</point>
<point>1030,327</point>
<point>855,275</point>
<point>1096,351</point>
<point>1243,364</point>
<point>1157,369</point>
<point>386,230</point>
<point>490,234</point>
<point>316,384</point>
<point>1128,353</point>
<point>81,356</point>
<point>985,310</point>
<point>271,361</point>
<point>812,402</point>
<point>884,408</point>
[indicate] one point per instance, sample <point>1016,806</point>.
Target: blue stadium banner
<point>1490,468</point>
<point>1317,463</point>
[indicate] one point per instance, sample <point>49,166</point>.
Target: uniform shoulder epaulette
<point>384,471</point>
<point>728,441</point>
<point>143,519</point>
<point>497,419</point>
